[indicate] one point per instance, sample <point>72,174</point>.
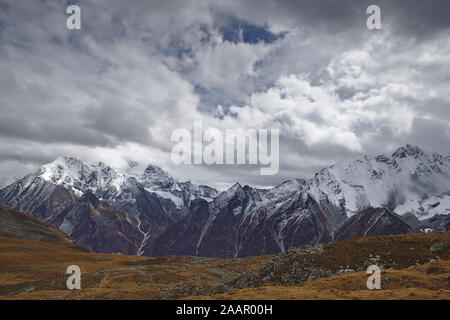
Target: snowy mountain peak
<point>62,170</point>
<point>111,184</point>
<point>63,163</point>
<point>155,171</point>
<point>74,173</point>
<point>155,177</point>
<point>408,150</point>
<point>404,182</point>
<point>236,189</point>
<point>227,195</point>
<point>236,186</point>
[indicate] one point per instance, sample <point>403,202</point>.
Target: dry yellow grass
<point>429,281</point>
<point>36,270</point>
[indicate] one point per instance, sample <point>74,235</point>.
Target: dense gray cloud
<point>115,90</point>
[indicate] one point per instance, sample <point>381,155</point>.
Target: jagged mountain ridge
<point>101,208</point>
<point>405,192</point>
<point>108,183</point>
<point>410,180</point>
<point>156,215</point>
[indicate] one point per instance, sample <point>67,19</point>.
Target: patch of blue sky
<point>241,31</point>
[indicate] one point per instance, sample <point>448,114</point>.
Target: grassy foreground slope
<point>414,266</point>
<point>428,281</point>
<point>14,224</point>
<point>36,270</point>
<point>352,255</point>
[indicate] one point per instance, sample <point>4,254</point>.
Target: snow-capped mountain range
<point>102,208</point>
<point>148,212</point>
<point>408,181</point>
<point>110,184</point>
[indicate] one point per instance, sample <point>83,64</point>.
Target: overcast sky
<point>137,70</point>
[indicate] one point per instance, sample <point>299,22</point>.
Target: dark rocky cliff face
<point>103,226</point>
<point>37,197</point>
<point>222,229</point>
<point>373,222</point>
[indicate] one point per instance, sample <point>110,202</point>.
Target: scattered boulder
<point>437,247</point>
<point>297,266</point>
<point>344,271</point>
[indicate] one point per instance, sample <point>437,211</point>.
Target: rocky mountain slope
<point>101,208</point>
<point>413,266</point>
<point>405,192</point>
<point>150,213</point>
<point>424,282</point>
<point>297,266</point>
